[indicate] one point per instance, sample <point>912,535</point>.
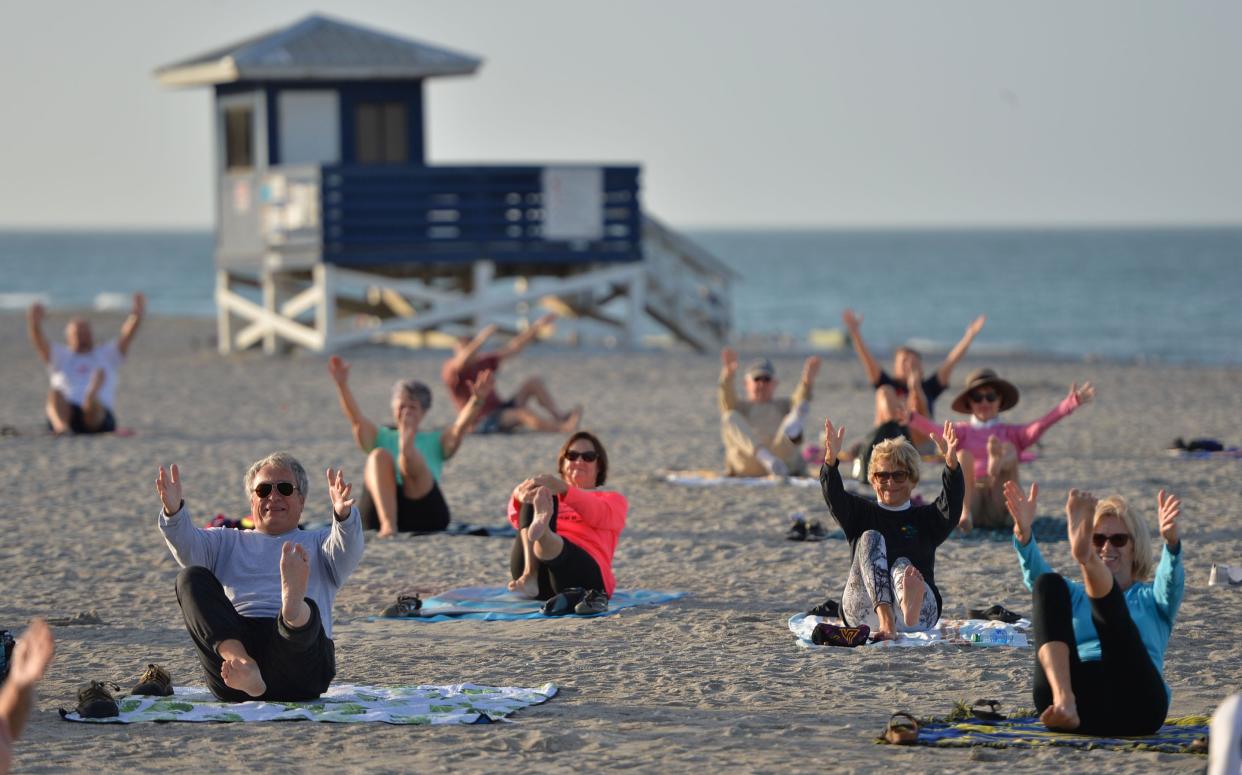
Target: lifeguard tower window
<point>238,134</point>
<point>380,133</point>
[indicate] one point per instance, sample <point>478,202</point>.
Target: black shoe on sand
<point>155,682</point>
<point>95,701</point>
<point>562,604</point>
<point>405,607</point>
<point>829,609</point>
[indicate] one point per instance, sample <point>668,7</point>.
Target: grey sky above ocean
<point>742,114</point>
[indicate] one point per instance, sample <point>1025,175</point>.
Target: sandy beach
<point>713,682</point>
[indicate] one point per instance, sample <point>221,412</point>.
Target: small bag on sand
<point>6,653</point>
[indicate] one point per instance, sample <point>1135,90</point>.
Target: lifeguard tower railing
<point>418,248</point>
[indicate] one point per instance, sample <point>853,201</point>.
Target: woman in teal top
<point>402,473</point>
<point>1100,644</point>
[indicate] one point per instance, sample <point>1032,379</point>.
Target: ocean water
<point>1160,295</point>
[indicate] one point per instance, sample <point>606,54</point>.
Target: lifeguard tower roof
<point>318,48</point>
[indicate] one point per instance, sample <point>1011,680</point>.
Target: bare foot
<point>92,388</point>
<point>294,576</point>
<point>912,601</point>
<point>383,533</point>
<point>543,514</point>
<point>965,523</point>
<point>526,585</point>
<point>242,674</point>
<point>1080,520</point>
<point>570,423</point>
<point>1062,716</point>
<point>994,456</point>
<point>888,626</point>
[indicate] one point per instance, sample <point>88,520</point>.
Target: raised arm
<point>189,545</point>
<point>726,391</point>
<point>34,328</point>
<point>471,348</point>
<point>1030,433</point>
<point>130,326</point>
<point>953,489</point>
<point>810,369</point>
<point>342,548</point>
<point>1170,578</point>
<point>364,430</point>
<point>519,342</point>
<point>843,506</point>
<point>854,324</point>
<point>959,350</point>
<point>480,388</point>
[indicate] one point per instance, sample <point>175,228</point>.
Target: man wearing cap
<point>762,434</point>
<point>403,467</point>
<point>83,377</point>
<point>990,449</point>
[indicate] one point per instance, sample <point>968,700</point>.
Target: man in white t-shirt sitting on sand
<point>83,377</point>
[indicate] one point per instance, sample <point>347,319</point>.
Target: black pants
<point>889,430</point>
<point>297,664</point>
<point>573,567</point>
<point>428,514</point>
<point>1122,693</point>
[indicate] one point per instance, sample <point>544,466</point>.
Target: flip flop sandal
<point>831,635</point>
<point>997,613</point>
<point>902,729</point>
<point>986,710</point>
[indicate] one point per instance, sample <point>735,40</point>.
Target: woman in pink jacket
<point>990,449</point>
<point>568,530</point>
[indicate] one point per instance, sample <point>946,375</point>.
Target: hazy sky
<point>741,113</point>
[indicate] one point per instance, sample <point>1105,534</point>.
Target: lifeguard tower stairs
<point>333,230</point>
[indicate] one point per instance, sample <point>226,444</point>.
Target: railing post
<point>325,310</point>
<point>484,271</point>
<point>224,325</point>
<point>267,281</point>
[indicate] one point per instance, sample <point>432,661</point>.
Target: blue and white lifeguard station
<point>333,229</point>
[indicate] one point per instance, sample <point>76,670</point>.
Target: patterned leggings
<point>871,582</point>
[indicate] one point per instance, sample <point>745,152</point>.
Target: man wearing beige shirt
<point>762,434</point>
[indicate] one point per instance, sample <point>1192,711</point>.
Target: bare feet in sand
<point>526,585</point>
<point>888,625</point>
<point>239,671</point>
<point>570,422</point>
<point>912,600</point>
<point>1062,715</point>
<point>1080,520</point>
<point>294,576</point>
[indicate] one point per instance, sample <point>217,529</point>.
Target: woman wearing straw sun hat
<point>991,449</point>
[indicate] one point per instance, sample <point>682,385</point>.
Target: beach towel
<point>959,632</point>
<point>709,478</point>
<point>1175,736</point>
<point>1045,530</point>
<point>495,604</point>
<point>345,703</point>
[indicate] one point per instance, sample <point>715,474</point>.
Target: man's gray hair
<point>412,389</point>
<point>278,460</point>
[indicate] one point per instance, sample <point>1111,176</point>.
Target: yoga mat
<point>495,604</point>
<point>708,478</point>
<point>345,704</point>
<point>960,632</point>
<point>1174,737</point>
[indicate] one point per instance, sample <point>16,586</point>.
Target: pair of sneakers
<point>584,602</point>
<point>96,700</point>
<point>801,530</point>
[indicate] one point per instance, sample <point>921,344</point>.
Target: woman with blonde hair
<point>1100,644</point>
<point>892,542</point>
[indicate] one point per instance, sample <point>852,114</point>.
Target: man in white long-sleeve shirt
<point>258,603</point>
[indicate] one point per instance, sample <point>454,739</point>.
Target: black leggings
<point>573,567</point>
<point>428,514</point>
<point>297,664</point>
<point>1120,694</point>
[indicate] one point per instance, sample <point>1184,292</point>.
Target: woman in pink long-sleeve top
<point>990,449</point>
<point>568,527</point>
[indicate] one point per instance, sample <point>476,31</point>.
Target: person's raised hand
<point>36,313</point>
<point>168,485</point>
<point>1170,508</point>
<point>525,491</point>
<point>728,361</point>
<point>1021,508</point>
<point>482,385</point>
<point>339,491</point>
<point>851,320</point>
<point>976,325</point>
<point>1084,394</point>
<point>553,483</point>
<point>32,654</point>
<point>834,440</point>
<point>338,367</point>
<point>947,444</point>
<point>546,320</point>
<point>810,368</point>
<point>406,427</point>
<point>139,305</point>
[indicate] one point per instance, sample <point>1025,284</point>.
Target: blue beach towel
<point>497,604</point>
<point>342,704</point>
<point>1175,736</point>
<point>1046,530</point>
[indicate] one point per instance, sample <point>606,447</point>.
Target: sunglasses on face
<point>590,456</point>
<point>1116,539</point>
<point>761,378</point>
<point>986,397</point>
<point>896,477</point>
<point>265,489</point>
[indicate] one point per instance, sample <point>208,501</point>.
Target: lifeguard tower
<point>332,229</point>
